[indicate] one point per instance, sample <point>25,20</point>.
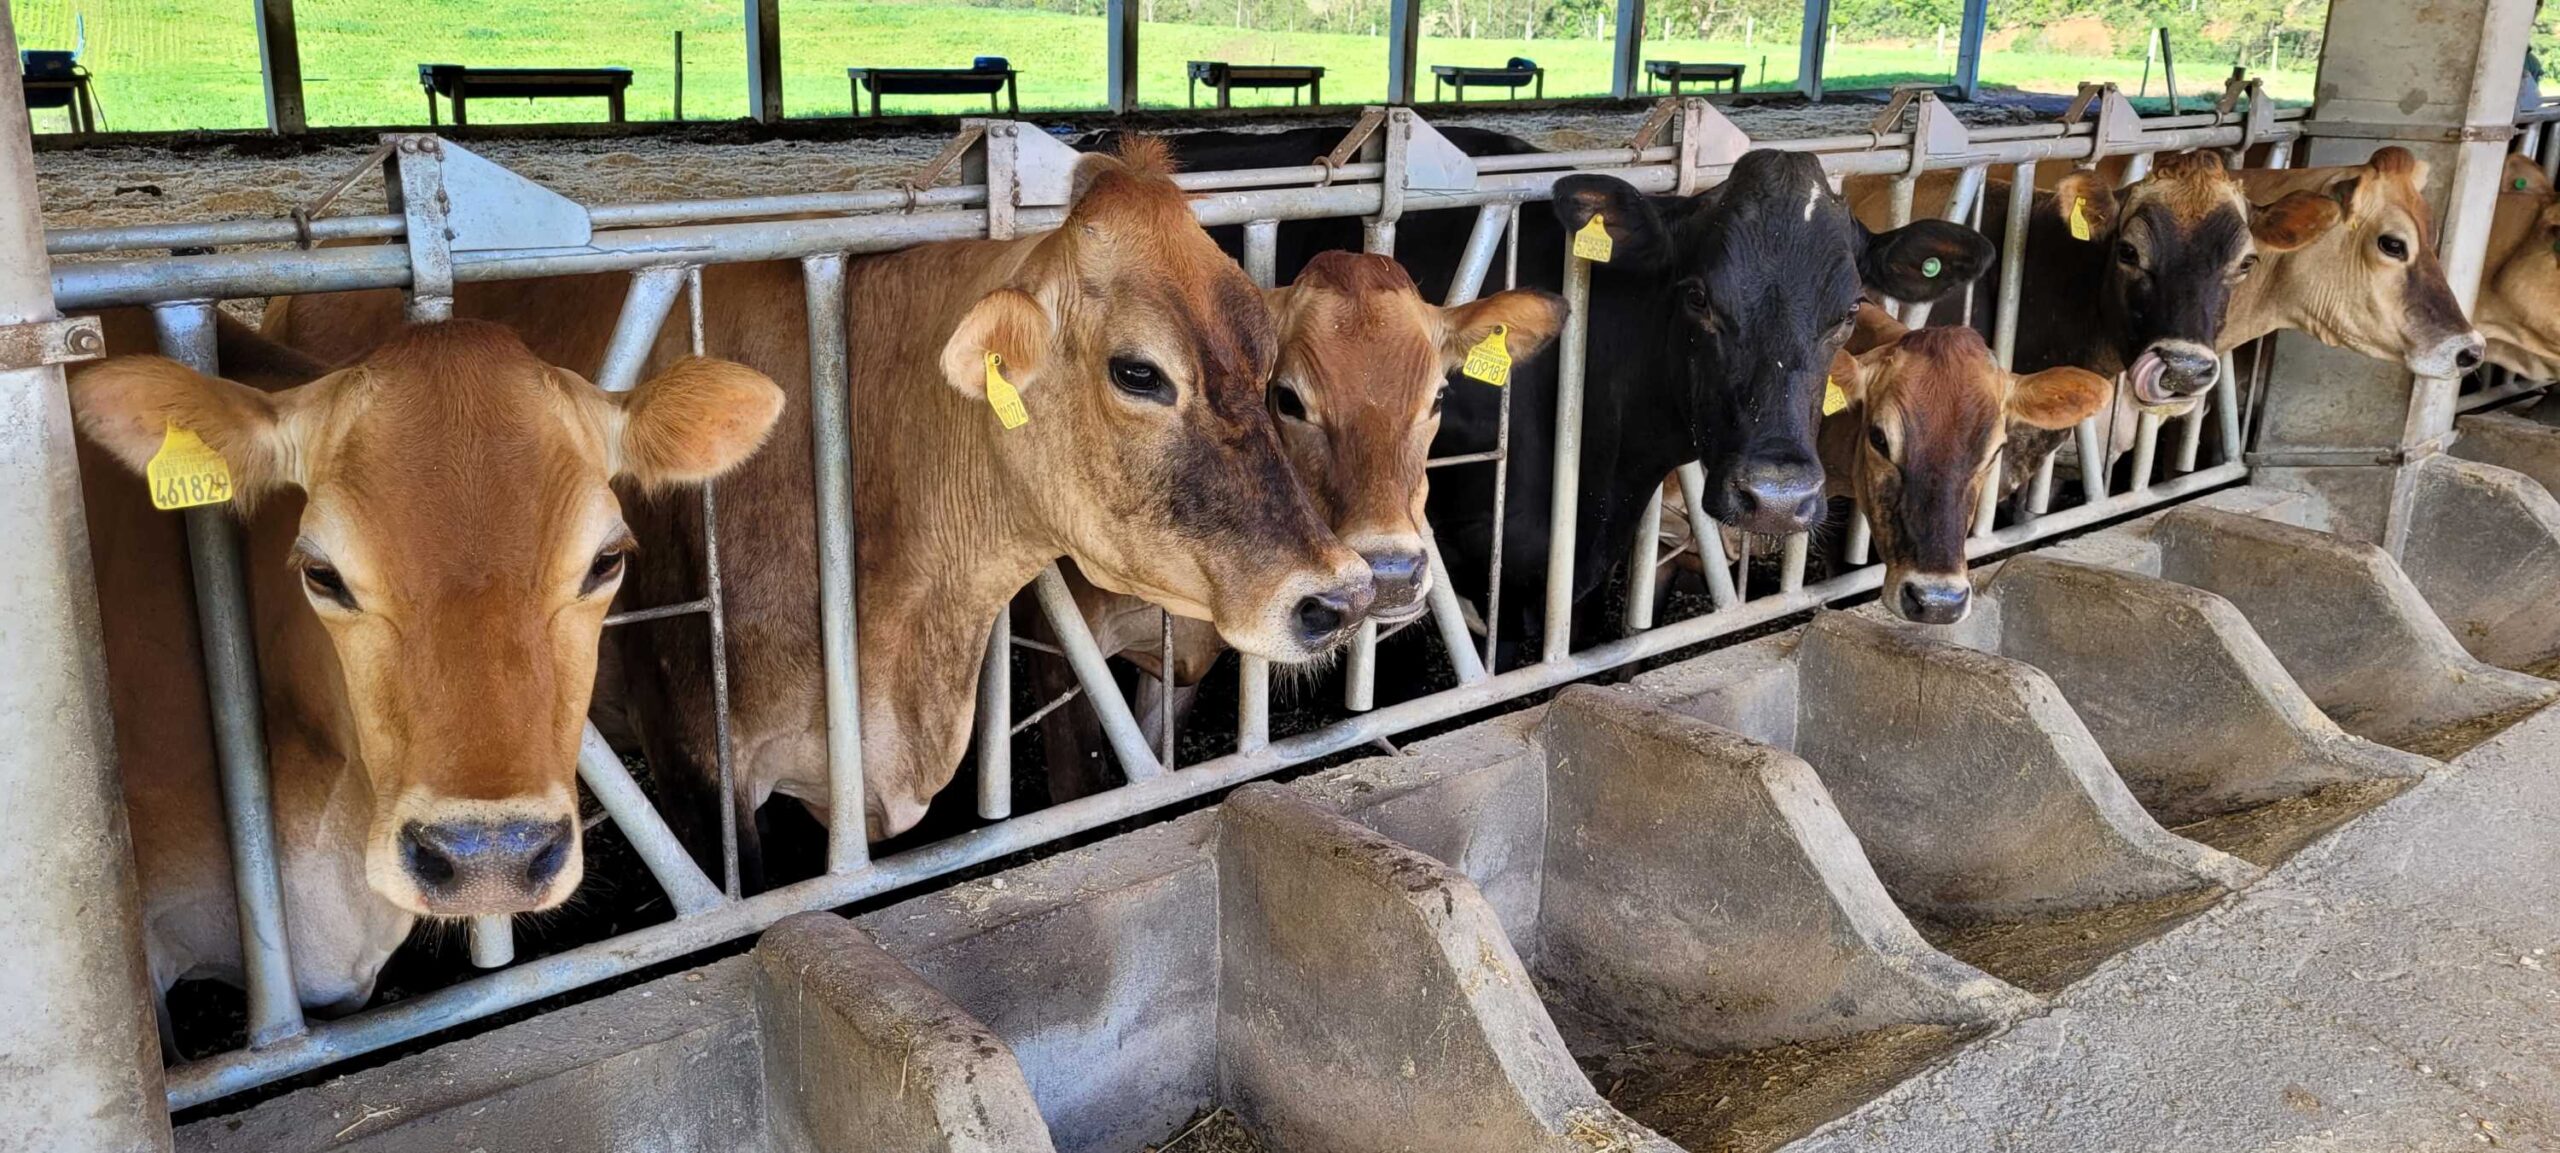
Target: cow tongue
<point>2147,371</point>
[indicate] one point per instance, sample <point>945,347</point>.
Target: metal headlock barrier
<point>459,219</point>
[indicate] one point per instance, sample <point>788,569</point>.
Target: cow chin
<point>442,857</point>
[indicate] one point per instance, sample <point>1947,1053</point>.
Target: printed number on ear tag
<point>186,472</point>
<point>1592,242</point>
<point>1490,360</point>
<point>1002,397</point>
<point>1834,398</point>
<point>2080,218</point>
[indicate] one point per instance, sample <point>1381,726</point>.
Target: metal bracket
<point>1431,163</point>
<point>1707,140</point>
<point>1044,167</point>
<point>454,200</point>
<point>2419,133</point>
<point>37,343</point>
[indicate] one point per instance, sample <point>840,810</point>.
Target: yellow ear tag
<point>2079,218</point>
<point>1002,397</point>
<point>1490,360</point>
<point>186,472</point>
<point>1834,398</point>
<point>1592,242</point>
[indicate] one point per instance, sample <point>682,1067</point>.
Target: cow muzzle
<point>2173,370</point>
<point>1307,615</point>
<point>2452,356</point>
<point>1930,598</point>
<point>480,859</point>
<point>1400,572</point>
<point>1773,498</point>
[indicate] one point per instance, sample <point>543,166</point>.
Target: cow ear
<point>2294,221</point>
<point>1849,374</point>
<point>2058,398</point>
<point>1876,328</point>
<point>2523,174</point>
<point>1637,236</point>
<point>694,421</point>
<point>1529,317</point>
<point>1007,323</point>
<point>2082,193</point>
<point>131,404</point>
<point>1924,260</point>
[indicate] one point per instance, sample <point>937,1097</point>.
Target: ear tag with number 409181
<point>187,472</point>
<point>1490,360</point>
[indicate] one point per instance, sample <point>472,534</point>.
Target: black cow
<point>1711,328</point>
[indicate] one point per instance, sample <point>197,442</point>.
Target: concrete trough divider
<point>1702,889</point>
<point>2194,712</point>
<point>860,1053</point>
<point>1978,793</point>
<point>2484,548</point>
<point>2351,627</point>
<point>1369,999</point>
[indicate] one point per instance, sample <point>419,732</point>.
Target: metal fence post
<point>75,1007</point>
<point>831,441</point>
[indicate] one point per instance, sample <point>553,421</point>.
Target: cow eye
<point>605,569</point>
<point>2248,264</point>
<point>1693,296</point>
<point>325,583</point>
<point>2127,255</point>
<point>1139,378</point>
<point>1286,401</point>
<point>1439,398</point>
<point>1882,444</point>
<point>2394,247</point>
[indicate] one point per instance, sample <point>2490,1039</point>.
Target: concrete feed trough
<point>1853,830</point>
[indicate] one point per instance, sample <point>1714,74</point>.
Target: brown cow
<point>433,539</point>
<point>2519,303</point>
<point>1142,356</point>
<point>2371,282</point>
<point>1927,410</point>
<point>1364,364</point>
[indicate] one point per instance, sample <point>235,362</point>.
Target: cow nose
<point>2191,368</point>
<point>1322,618</point>
<point>1399,576</point>
<point>494,861</point>
<point>2467,357</point>
<point>1933,600</point>
<point>1778,498</point>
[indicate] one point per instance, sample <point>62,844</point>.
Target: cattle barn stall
<point>2350,448</point>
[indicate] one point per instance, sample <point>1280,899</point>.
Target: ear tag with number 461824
<point>1490,360</point>
<point>1002,397</point>
<point>1592,242</point>
<point>187,472</point>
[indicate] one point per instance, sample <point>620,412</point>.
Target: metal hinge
<point>38,343</point>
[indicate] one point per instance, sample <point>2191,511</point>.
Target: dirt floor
<point>141,185</point>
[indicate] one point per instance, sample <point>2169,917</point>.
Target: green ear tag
<point>1930,268</point>
<point>2522,184</point>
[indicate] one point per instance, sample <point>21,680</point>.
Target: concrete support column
<point>1626,72</point>
<point>764,61</point>
<point>1404,50</point>
<point>1120,24</point>
<point>1977,20</point>
<point>2439,78</point>
<point>280,64</point>
<point>1810,46</point>
<point>75,1008</point>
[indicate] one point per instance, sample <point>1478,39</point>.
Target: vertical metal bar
<point>2226,405</point>
<point>75,1017</point>
<point>2093,456</point>
<point>1476,259</point>
<point>239,728</point>
<point>1646,558</point>
<point>601,770</point>
<point>1710,537</point>
<point>280,67</point>
<point>1360,667</point>
<point>1448,617</point>
<point>1261,251</point>
<point>1986,507</point>
<point>1811,47</point>
<point>414,174</point>
<point>1861,538</point>
<point>1963,201</point>
<point>831,441</point>
<point>1791,562</point>
<point>2146,449</point>
<point>1075,641</point>
<point>1404,49</point>
<point>1969,47</point>
<point>1742,567</point>
<point>1164,705</point>
<point>493,941</point>
<point>1253,674</point>
<point>1563,516</point>
<point>1501,464</point>
<point>1120,68</point>
<point>2191,427</point>
<point>2040,490</point>
<point>995,721</point>
<point>1625,73</point>
<point>2013,264</point>
<point>1360,670</point>
<point>723,749</point>
<point>645,304</point>
<point>764,61</point>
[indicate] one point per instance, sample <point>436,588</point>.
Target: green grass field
<point>175,64</point>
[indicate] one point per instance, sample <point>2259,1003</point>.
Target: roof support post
<point>1120,23</point>
<point>1810,48</point>
<point>764,61</point>
<point>1404,50</point>
<point>280,65</point>
<point>1626,76</point>
<point>1977,19</point>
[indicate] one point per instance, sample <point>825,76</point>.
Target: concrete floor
<point>2396,987</point>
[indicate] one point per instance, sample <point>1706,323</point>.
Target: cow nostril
<point>427,862</point>
<point>548,860</point>
<point>1395,571</point>
<point>2467,358</point>
<point>1319,617</point>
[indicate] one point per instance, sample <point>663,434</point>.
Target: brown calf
<point>433,539</point>
<point>2519,303</point>
<point>1142,356</point>
<point>1927,412</point>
